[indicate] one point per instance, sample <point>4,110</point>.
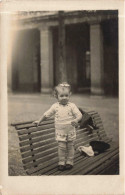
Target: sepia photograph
<point>63,93</point>
<point>62,97</point>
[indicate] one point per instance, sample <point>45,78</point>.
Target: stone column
<point>46,55</point>
<point>96,59</point>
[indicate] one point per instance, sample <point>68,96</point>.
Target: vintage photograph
<point>63,93</point>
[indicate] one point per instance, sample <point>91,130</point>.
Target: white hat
<point>88,150</point>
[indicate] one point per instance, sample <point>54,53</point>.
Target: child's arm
<point>77,114</point>
<point>43,118</point>
<point>76,120</point>
<point>46,115</point>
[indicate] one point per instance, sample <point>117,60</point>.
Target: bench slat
<point>39,149</point>
<point>78,156</point>
<point>97,119</point>
<point>28,124</point>
<point>55,169</point>
<point>51,145</point>
<point>43,128</point>
<point>40,138</point>
<point>40,144</point>
<point>39,155</point>
<point>91,163</point>
<point>95,116</point>
<point>112,161</point>
<point>49,163</point>
<point>37,145</point>
<point>42,133</point>
<point>41,160</point>
<point>92,112</point>
<point>77,143</point>
<point>43,142</point>
<point>79,139</point>
<point>45,125</point>
<point>45,136</point>
<point>82,139</point>
<point>109,170</point>
<point>84,160</point>
<point>113,148</point>
<point>48,157</point>
<point>99,162</point>
<point>34,130</point>
<point>50,166</point>
<point>34,135</point>
<point>76,161</point>
<point>54,162</point>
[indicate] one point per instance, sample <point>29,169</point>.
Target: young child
<point>67,116</point>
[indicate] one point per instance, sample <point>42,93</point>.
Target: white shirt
<point>64,114</point>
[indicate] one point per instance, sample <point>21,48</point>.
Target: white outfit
<point>64,115</point>
<point>64,131</point>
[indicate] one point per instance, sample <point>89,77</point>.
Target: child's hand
<point>36,123</point>
<point>74,123</point>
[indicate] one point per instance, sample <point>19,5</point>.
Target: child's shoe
<point>61,167</point>
<point>68,166</point>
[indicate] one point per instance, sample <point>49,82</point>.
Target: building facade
<point>91,52</point>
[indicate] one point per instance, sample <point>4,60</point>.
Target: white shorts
<point>65,132</point>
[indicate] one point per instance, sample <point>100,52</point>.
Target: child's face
<point>63,96</point>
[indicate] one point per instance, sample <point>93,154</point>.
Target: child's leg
<point>70,152</point>
<point>62,152</point>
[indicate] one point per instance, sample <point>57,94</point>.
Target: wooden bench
<point>39,150</point>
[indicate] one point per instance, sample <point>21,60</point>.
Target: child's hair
<point>61,86</point>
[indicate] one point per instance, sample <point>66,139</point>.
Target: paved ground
<point>23,107</point>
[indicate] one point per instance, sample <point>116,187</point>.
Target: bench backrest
<point>38,145</point>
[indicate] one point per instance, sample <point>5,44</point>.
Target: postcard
<point>62,97</point>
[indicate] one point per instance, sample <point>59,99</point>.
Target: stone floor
<point>22,107</point>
